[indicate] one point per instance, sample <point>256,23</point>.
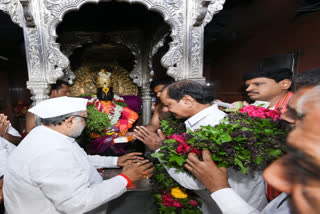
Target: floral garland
<point>116,109</point>
<point>247,139</point>
<point>170,196</point>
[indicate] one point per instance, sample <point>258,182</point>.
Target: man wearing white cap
<point>49,173</point>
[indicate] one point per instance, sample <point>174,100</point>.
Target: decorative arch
<point>56,9</point>
<point>129,39</point>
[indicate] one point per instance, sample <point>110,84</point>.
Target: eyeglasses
<point>85,118</point>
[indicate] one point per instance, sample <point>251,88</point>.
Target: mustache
<point>252,92</point>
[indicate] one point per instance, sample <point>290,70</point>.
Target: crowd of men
<point>49,173</point>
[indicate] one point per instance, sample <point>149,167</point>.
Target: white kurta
<point>250,187</point>
<point>50,173</point>
<point>230,203</point>
<point>6,148</point>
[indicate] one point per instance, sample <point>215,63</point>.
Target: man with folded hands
<point>191,100</point>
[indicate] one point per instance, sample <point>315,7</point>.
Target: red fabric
<point>281,106</point>
<point>272,193</point>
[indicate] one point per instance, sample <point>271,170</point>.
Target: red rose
<point>195,151</point>
<point>167,200</point>
<point>183,148</point>
<point>273,114</point>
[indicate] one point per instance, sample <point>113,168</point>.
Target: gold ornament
<point>112,75</point>
<point>85,82</point>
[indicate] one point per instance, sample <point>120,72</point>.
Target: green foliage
<point>97,121</point>
<point>241,142</point>
<point>118,103</point>
<point>172,125</point>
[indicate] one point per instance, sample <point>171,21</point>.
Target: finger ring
<point>144,173</point>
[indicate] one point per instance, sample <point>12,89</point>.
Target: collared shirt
<point>250,187</point>
<point>223,198</point>
<point>6,148</point>
<point>280,106</point>
<point>264,104</point>
<point>50,173</point>
<point>208,116</point>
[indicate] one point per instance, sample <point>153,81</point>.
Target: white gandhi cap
<point>59,106</point>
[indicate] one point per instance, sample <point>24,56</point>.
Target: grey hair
<point>313,95</point>
<point>54,121</point>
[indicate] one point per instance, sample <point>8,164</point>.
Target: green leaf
<point>275,152</point>
<point>170,141</point>
<point>157,155</point>
<point>178,159</point>
<point>239,163</point>
<point>259,160</point>
<point>238,139</point>
<point>239,105</point>
<point>225,137</point>
<point>268,131</point>
<point>245,129</point>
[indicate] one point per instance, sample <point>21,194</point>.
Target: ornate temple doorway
<point>99,37</point>
<point>47,62</point>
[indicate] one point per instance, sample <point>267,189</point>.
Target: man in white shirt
<point>188,99</point>
<point>9,138</point>
<point>296,174</point>
<point>49,172</point>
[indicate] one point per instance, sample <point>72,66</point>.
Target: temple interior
<point>110,51</point>
<point>110,33</point>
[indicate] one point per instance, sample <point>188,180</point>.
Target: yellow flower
<point>178,193</point>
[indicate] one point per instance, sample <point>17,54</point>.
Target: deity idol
<point>109,118</point>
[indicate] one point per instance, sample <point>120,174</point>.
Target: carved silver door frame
<point>46,63</point>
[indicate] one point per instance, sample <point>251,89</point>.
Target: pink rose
<point>193,203</point>
<point>178,138</point>
<point>260,112</point>
<point>176,204</point>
